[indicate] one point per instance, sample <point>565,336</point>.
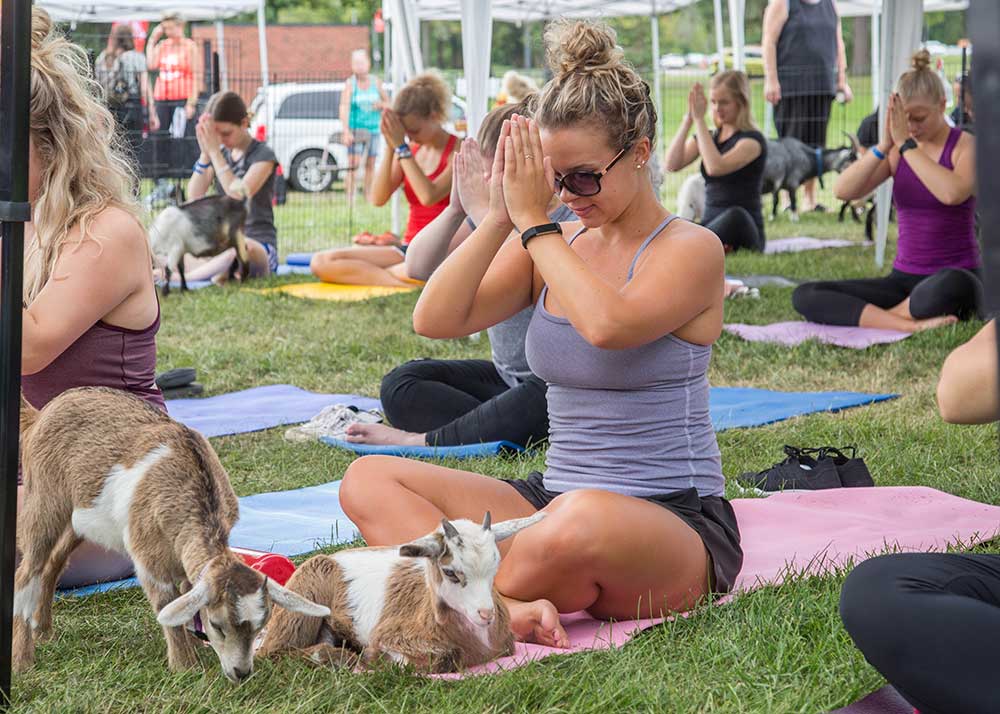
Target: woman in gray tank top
<point>628,302</point>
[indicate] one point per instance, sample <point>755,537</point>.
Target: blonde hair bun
<point>581,46</point>
<point>921,60</point>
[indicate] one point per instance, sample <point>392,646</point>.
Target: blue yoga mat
<point>289,269</point>
<point>299,259</point>
<point>257,408</point>
<point>466,451</point>
<point>739,407</point>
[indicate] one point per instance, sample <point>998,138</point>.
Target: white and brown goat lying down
<point>104,465</point>
<point>430,603</point>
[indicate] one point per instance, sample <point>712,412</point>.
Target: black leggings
<point>464,402</point>
<point>930,624</point>
<point>952,291</point>
<point>736,229</point>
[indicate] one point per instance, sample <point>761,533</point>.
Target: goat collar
<point>818,153</point>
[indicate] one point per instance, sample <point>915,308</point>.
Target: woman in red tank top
<point>175,58</point>
<point>91,310</point>
<point>422,167</point>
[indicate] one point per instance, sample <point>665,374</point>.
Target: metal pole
<point>15,91</point>
<point>961,84</point>
<point>984,27</point>
<point>220,42</point>
<point>720,35</point>
<point>265,74</point>
<point>654,22</point>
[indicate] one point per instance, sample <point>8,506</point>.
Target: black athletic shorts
<point>711,517</point>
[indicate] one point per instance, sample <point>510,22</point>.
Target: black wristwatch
<point>910,143</point>
<point>539,231</point>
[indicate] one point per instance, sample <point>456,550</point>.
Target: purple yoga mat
<point>795,333</point>
<point>797,245</point>
<point>884,701</point>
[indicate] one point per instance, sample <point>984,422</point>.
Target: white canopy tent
<point>191,10</point>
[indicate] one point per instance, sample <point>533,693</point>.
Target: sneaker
<point>853,470</point>
<point>333,422</point>
<point>798,472</point>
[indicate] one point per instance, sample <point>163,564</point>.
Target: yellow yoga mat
<point>335,291</point>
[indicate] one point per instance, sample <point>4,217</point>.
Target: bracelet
<point>403,151</point>
<point>202,165</point>
<point>472,223</point>
<point>541,230</point>
<point>879,154</point>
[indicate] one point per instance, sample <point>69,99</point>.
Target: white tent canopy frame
<point>190,10</point>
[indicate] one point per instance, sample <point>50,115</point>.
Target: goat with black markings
<point>430,603</point>
<point>203,228</point>
<point>104,465</point>
<point>790,163</point>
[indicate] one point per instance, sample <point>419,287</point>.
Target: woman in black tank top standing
<point>614,554</point>
<point>732,160</point>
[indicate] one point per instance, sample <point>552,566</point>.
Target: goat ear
<point>505,529</point>
<point>449,530</point>
<point>431,546</point>
<point>181,610</point>
<point>293,602</point>
<point>487,520</point>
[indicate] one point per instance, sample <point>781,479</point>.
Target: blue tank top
<point>633,421</point>
<point>363,114</point>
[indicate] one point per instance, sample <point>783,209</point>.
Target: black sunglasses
<point>586,183</point>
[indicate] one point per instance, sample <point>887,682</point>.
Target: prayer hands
<point>896,121</point>
<point>472,177</point>
<point>392,129</point>
<point>528,178</point>
<point>697,102</point>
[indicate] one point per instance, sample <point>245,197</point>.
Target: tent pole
<point>15,90</point>
<point>984,27</point>
<point>720,34</point>
<point>265,71</point>
<point>220,42</point>
<point>654,21</point>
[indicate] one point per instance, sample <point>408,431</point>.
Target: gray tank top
<point>807,50</point>
<point>633,421</point>
<point>507,337</point>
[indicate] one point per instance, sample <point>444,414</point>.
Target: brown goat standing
<point>104,465</point>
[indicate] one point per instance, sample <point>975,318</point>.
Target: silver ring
<point>528,156</point>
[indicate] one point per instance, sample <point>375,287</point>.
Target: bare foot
<point>538,622</point>
<point>932,322</point>
<point>383,435</point>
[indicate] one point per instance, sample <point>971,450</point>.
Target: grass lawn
<point>779,649</point>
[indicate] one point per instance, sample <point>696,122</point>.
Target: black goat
<point>790,163</point>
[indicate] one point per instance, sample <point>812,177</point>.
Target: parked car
<point>672,61</point>
<point>753,60</point>
<point>301,123</point>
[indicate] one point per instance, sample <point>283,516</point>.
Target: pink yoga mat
<point>813,532</point>
<point>797,245</point>
<point>796,332</point>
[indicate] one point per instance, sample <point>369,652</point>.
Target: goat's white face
<point>464,560</point>
<point>234,603</point>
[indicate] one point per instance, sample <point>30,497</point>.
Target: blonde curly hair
<point>594,84</point>
<point>84,168</point>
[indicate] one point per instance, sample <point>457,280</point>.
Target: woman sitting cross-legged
<point>423,170</point>
<point>628,302</point>
<point>934,280</point>
<point>451,402</point>
<point>91,313</point>
<point>732,160</point>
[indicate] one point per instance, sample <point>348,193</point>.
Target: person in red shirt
<point>423,168</point>
<point>177,85</point>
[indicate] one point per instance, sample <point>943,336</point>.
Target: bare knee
<point>365,479</point>
<point>571,532</point>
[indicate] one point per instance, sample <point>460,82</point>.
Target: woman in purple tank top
<point>935,278</point>
<point>627,302</point>
<point>91,311</point>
